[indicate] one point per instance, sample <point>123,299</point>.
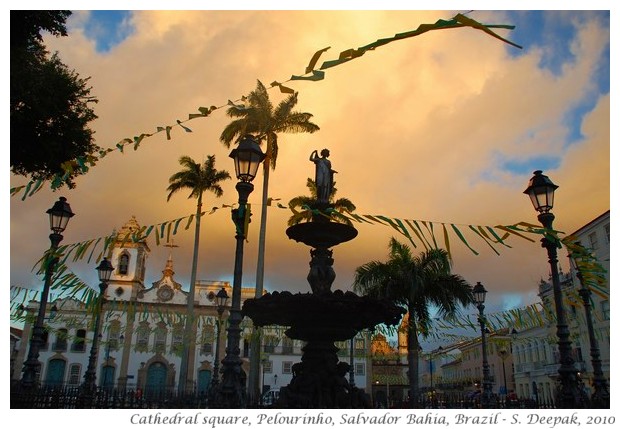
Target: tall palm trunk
<point>253,378</point>
<point>189,322</point>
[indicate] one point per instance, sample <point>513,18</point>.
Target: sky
<point>445,127</point>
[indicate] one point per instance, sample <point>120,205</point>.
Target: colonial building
<point>536,353</point>
<point>459,366</point>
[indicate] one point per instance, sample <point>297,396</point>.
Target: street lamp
<point>351,362</point>
<point>247,156</point>
<point>59,216</point>
<point>503,354</point>
<point>221,299</point>
<point>600,396</point>
<point>104,270</point>
<point>541,191</point>
<point>433,354</point>
<point>479,296</point>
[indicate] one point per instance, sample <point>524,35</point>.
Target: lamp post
<point>221,299</point>
<point>541,191</point>
<point>59,216</point>
<point>247,156</point>
<point>433,354</point>
<point>503,354</point>
<point>104,270</point>
<point>351,362</point>
<point>479,297</point>
<point>104,382</point>
<point>600,396</point>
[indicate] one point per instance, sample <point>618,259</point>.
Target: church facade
<point>142,332</point>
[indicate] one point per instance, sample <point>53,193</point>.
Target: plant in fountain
<point>306,207</point>
<point>415,283</point>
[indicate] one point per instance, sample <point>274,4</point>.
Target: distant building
<point>16,337</point>
<point>458,366</point>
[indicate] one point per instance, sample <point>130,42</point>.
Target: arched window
<point>161,334</point>
<point>142,337</point>
<point>114,335</point>
<point>61,340</point>
<point>123,264</point>
<point>208,338</point>
<point>177,338</point>
<point>79,341</point>
<point>45,340</point>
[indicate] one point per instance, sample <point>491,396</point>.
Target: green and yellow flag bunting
<point>427,234</point>
<point>83,164</point>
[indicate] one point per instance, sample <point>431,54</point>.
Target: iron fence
<point>66,397</point>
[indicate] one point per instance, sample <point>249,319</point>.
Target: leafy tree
<point>416,283</point>
<point>50,104</point>
<point>265,122</point>
<point>198,178</point>
<point>307,204</point>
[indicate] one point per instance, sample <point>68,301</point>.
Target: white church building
<point>142,332</point>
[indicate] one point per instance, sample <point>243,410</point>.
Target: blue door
<point>204,381</point>
<point>156,378</point>
<point>55,372</point>
<point>107,377</point>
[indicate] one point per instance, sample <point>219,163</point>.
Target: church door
<point>55,372</point>
<point>156,378</point>
<point>204,381</point>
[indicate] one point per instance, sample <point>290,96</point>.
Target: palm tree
<point>308,204</point>
<point>416,283</point>
<point>198,178</point>
<point>260,118</point>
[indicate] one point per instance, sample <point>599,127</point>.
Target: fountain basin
<point>335,316</point>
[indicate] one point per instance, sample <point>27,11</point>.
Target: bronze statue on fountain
<point>324,316</point>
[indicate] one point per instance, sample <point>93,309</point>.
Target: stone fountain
<point>324,316</point>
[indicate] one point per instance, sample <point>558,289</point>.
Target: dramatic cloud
<point>427,128</point>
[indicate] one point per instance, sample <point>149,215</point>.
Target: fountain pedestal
<point>320,318</point>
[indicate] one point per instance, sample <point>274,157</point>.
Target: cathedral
<point>141,330</point>
<point>142,333</point>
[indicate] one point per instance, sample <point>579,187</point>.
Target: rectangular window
<point>74,374</point>
<point>287,346</point>
<point>593,241</point>
<point>605,309</point>
<point>269,345</point>
<point>360,368</point>
<point>208,339</point>
<point>267,367</point>
<point>607,234</point>
<point>246,348</point>
<point>360,344</point>
<point>287,367</point>
<point>177,339</point>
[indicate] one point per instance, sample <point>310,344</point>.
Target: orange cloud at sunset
<point>427,128</point>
